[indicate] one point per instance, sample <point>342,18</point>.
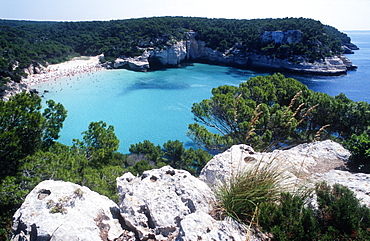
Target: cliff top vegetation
<point>25,43</point>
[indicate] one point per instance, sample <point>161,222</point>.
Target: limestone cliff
<point>11,88</point>
<point>195,50</point>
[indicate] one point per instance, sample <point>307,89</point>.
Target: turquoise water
<point>153,106</point>
<point>156,106</point>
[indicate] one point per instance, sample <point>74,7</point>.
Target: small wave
<point>197,85</point>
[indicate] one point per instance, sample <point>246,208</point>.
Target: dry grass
<point>247,188</point>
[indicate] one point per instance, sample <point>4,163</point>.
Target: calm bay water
<point>156,106</point>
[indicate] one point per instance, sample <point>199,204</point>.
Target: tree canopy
<point>24,129</point>
<point>273,112</point>
<point>23,43</point>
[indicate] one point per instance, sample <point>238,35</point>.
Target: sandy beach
<point>76,66</point>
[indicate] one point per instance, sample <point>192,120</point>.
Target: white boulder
<point>156,202</point>
<point>57,210</point>
<point>298,162</point>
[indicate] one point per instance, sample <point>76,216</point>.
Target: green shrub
<point>338,216</point>
<point>359,146</point>
<point>341,215</point>
<point>288,219</point>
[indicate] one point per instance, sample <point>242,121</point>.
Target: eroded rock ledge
<point>170,204</point>
<point>193,50</point>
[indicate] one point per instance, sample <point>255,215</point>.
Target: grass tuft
<point>246,189</point>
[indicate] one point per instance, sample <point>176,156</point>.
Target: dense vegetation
<point>254,198</point>
<point>269,112</point>
<point>30,153</point>
<point>23,43</point>
<point>339,215</point>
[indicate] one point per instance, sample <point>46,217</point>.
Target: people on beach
<point>67,69</point>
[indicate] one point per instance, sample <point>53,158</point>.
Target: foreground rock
<point>170,204</point>
<point>304,164</point>
<point>298,162</point>
<point>56,210</point>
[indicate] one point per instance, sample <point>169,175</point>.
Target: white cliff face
<point>56,210</point>
<point>336,65</point>
<point>196,50</point>
<point>171,56</point>
<point>280,37</point>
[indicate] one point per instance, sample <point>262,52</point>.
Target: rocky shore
<point>170,204</point>
<point>193,50</point>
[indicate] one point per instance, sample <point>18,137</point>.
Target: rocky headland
<point>191,49</point>
<point>195,50</point>
<point>170,204</point>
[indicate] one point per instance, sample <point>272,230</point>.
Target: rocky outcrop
<point>12,88</point>
<point>170,204</point>
<point>359,183</point>
<point>303,165</point>
<point>34,68</point>
<point>56,210</point>
<point>201,226</point>
<point>196,50</point>
<point>280,37</point>
<point>139,63</point>
<point>298,162</point>
<point>331,66</point>
<point>351,46</point>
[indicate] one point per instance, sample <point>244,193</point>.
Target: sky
<point>341,14</point>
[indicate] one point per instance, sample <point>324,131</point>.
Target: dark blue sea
<point>156,106</point>
<point>356,84</point>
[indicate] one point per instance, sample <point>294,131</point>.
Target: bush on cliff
<point>359,146</point>
<point>338,216</point>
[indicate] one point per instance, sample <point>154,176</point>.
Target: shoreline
<point>73,67</point>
